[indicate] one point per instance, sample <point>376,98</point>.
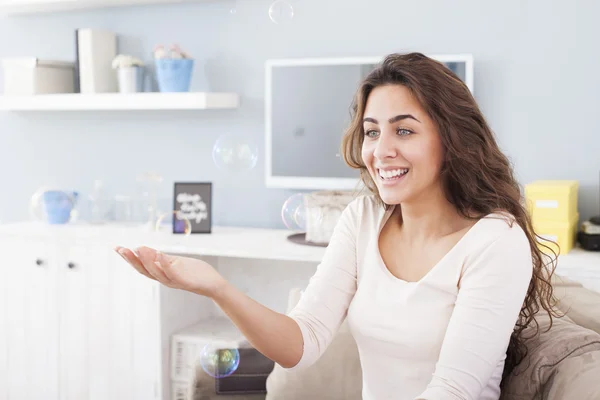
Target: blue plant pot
<point>174,75</point>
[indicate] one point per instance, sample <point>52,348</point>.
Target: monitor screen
<point>307,110</point>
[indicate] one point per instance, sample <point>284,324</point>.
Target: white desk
<point>581,266</point>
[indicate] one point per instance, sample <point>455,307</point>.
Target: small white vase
<point>130,79</point>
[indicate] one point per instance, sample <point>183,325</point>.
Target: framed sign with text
<point>193,201</point>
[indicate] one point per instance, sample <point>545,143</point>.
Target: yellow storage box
<point>563,233</point>
<point>552,200</point>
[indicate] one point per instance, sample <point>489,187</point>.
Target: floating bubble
<point>281,12</point>
<point>173,222</point>
<point>219,362</point>
<point>298,215</point>
<point>293,212</point>
<point>235,153</point>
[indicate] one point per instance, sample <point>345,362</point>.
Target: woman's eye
<point>404,132</point>
<point>371,133</point>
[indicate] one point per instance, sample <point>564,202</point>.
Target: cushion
<point>335,375</point>
<point>546,356</point>
<point>578,303</point>
<point>575,378</point>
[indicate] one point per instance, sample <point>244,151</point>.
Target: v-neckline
<point>384,219</point>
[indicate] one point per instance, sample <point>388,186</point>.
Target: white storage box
<point>30,76</point>
<point>323,211</point>
<point>182,390</point>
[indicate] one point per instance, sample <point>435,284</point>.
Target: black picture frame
<point>185,193</point>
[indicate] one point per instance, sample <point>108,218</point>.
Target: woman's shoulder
<point>498,228</point>
<point>365,202</point>
<point>497,247</point>
<point>500,223</point>
<point>365,207</point>
<point>362,213</point>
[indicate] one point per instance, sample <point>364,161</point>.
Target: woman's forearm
<point>275,335</point>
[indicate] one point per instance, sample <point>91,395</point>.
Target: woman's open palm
<point>176,272</point>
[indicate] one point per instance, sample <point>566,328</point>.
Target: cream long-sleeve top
<point>442,337</point>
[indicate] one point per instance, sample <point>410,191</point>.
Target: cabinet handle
<point>39,261</point>
<point>71,265</point>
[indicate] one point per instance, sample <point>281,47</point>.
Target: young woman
<point>437,270</point>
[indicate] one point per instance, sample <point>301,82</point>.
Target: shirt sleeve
<point>324,304</point>
<point>491,293</point>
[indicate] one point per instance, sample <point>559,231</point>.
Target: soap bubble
<point>293,212</point>
<point>235,153</point>
<point>297,216</point>
<point>281,12</point>
<point>219,362</point>
<point>173,222</point>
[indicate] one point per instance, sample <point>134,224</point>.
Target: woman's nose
<point>386,147</point>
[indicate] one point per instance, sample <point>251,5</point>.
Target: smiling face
<point>402,149</point>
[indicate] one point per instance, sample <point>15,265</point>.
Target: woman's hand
<point>176,272</point>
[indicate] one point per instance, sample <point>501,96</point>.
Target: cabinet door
<point>108,337</point>
<point>135,340</point>
<point>120,302</point>
<point>85,325</point>
<point>31,316</point>
<point>146,344</point>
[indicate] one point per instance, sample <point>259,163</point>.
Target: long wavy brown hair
<point>478,178</point>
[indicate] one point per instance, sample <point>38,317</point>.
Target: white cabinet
<point>85,330</point>
<point>78,323</point>
<point>39,6</point>
<point>31,319</point>
<point>72,329</point>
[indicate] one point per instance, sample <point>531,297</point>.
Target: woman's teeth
<point>394,173</point>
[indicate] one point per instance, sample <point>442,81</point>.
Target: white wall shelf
<point>118,101</point>
<point>16,7</point>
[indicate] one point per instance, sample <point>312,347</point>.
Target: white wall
<point>537,82</point>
